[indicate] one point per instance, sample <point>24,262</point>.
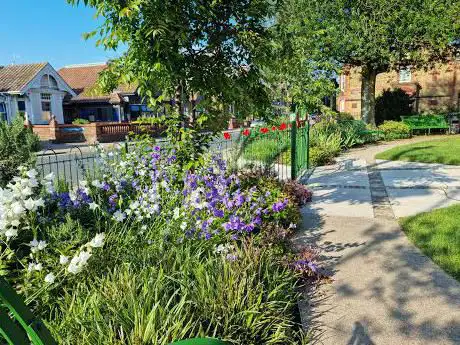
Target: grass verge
<point>437,234</point>
<point>444,151</point>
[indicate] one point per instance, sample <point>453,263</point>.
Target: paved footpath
<point>383,290</point>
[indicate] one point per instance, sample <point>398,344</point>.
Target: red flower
<point>264,130</point>
<point>283,126</point>
<point>274,128</point>
<point>227,136</point>
<point>246,132</point>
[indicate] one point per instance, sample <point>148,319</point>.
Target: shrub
<point>393,130</point>
<point>351,133</point>
<point>150,253</point>
<point>80,122</point>
<point>17,147</point>
<point>391,105</point>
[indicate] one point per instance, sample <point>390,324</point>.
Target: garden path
<point>383,289</point>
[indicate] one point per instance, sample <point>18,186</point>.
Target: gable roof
<point>83,78</point>
<point>14,77</point>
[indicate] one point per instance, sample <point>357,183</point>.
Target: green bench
<point>425,122</point>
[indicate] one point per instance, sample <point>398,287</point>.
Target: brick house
<point>121,105</point>
<point>436,89</point>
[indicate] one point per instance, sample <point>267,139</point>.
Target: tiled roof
<point>14,77</point>
<point>83,78</point>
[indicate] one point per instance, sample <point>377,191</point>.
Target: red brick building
<point>436,89</point>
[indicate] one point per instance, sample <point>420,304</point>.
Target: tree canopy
<point>209,48</point>
<point>376,35</point>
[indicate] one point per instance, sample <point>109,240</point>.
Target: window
<point>433,102</point>
<point>21,107</point>
<point>342,105</point>
<point>354,105</point>
<point>3,116</point>
<point>48,82</point>
<point>405,75</point>
<point>46,107</point>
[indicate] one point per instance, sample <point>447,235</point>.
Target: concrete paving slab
<point>384,291</point>
<point>409,202</point>
<point>336,201</point>
<point>336,176</point>
<point>421,177</point>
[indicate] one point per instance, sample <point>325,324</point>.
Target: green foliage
<point>436,234</point>
<point>178,50</point>
<point>393,130</point>
<point>377,35</point>
<point>443,151</point>
<point>186,291</point>
<point>80,122</point>
<point>17,147</point>
<point>391,105</point>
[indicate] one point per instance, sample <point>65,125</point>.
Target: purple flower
<point>280,205</point>
<point>219,213</point>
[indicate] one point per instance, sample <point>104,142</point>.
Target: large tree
<point>376,35</point>
<point>184,48</point>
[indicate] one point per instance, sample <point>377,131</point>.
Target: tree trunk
<point>369,76</point>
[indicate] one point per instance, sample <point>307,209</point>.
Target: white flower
<point>73,268</point>
<point>164,184</point>
<point>97,184</point>
<point>40,203</point>
<point>83,258</point>
<point>50,278</point>
<point>42,245</point>
<point>17,208</point>
<point>11,232</point>
<point>119,216</point>
<point>29,204</point>
<point>144,227</point>
<point>176,213</point>
<point>63,259</point>
<point>49,177</point>
<point>93,206</point>
<point>97,241</point>
<point>15,223</point>
<point>27,191</point>
<point>183,226</point>
<point>292,226</point>
<point>32,173</point>
<point>83,184</point>
<point>134,205</point>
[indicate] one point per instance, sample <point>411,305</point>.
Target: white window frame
<point>405,75</point>
<point>46,98</point>
<point>342,105</point>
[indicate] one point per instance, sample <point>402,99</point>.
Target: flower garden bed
<point>147,253</point>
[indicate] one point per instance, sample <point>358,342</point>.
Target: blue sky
<point>48,30</point>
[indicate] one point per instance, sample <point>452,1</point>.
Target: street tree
<point>188,50</point>
<point>376,36</point>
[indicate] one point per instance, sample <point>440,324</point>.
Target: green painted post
<point>36,330</point>
<point>293,146</point>
<point>11,332</point>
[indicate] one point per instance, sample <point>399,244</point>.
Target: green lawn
<point>445,151</point>
<point>437,234</point>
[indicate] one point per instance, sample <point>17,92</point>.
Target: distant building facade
<point>436,89</point>
<point>121,105</point>
<point>34,91</point>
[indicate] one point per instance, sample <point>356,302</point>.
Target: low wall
<point>92,132</point>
